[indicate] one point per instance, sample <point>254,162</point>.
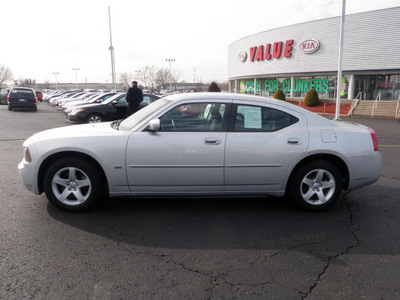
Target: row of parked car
<point>93,107</point>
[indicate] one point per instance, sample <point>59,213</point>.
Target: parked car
<point>85,96</point>
<point>3,96</point>
<point>21,97</point>
<point>113,108</point>
<point>239,145</point>
<point>39,95</point>
<point>61,94</point>
<point>92,100</point>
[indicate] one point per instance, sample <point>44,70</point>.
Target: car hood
<point>74,131</point>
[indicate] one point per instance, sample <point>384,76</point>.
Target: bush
<point>311,98</point>
<point>279,95</point>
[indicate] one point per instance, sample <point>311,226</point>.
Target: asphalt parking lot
<point>197,249</point>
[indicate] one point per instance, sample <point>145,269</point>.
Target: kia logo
<point>242,56</point>
<point>309,46</point>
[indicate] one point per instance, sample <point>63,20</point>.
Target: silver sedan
<point>203,144</point>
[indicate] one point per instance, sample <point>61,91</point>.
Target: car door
<point>117,111</point>
<point>185,155</point>
<point>261,145</point>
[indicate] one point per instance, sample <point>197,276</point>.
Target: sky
<point>43,37</point>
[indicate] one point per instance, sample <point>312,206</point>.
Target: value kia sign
<point>309,46</point>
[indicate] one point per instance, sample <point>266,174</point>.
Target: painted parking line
<point>389,145</point>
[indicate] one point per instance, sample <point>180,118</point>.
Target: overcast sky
<point>41,37</point>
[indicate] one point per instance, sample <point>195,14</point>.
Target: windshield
<point>112,98</point>
<point>142,114</point>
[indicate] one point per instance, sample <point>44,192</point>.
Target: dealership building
<point>299,57</point>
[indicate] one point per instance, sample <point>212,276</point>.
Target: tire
<point>72,184</point>
<point>316,186</point>
<point>94,118</point>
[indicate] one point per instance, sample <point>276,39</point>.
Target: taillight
<point>374,139</point>
<point>8,98</point>
<point>35,99</point>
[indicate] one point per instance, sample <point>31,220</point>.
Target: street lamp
<point>76,77</point>
<point>111,48</point>
<point>170,60</point>
<point>55,74</point>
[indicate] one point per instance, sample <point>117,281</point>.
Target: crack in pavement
<point>353,232</point>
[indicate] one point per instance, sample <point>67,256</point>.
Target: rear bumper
<point>365,170</point>
<point>22,104</point>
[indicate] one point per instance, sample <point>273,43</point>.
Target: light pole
<point>55,74</point>
<point>76,77</point>
<point>170,60</point>
<point>111,48</point>
<point>339,78</point>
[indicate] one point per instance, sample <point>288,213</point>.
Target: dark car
<point>112,109</point>
<point>21,97</point>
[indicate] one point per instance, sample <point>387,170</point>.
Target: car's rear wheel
<point>94,118</point>
<point>72,184</point>
<point>316,185</point>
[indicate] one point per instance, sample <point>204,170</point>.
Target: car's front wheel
<point>72,184</point>
<point>316,185</point>
<point>94,118</point>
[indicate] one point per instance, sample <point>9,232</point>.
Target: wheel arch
<point>336,160</point>
<point>54,157</point>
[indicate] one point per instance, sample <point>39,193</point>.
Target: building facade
<point>299,57</point>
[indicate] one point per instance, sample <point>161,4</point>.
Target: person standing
<point>134,96</point>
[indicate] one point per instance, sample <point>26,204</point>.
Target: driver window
<point>194,117</point>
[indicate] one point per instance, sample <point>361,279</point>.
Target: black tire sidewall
<point>78,163</point>
<point>294,186</point>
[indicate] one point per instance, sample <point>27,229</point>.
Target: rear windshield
<point>18,92</point>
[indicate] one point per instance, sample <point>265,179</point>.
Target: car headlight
<point>75,111</point>
<point>27,155</point>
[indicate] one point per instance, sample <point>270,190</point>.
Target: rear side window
<point>259,118</point>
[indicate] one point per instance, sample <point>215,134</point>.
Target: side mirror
<point>114,102</point>
<point>154,125</point>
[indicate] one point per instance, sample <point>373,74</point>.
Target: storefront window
<point>324,85</point>
<point>388,86</point>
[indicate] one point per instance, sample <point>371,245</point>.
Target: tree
<point>162,77</point>
<point>147,75</point>
<point>125,79</point>
<point>5,74</point>
<point>213,87</point>
<point>25,82</point>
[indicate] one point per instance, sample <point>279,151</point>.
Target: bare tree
<point>5,74</point>
<point>176,76</point>
<point>125,79</point>
<point>25,82</point>
<point>44,85</point>
<point>147,75</point>
<point>162,77</point>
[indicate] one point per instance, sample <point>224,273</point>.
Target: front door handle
<point>293,141</point>
<point>212,141</point>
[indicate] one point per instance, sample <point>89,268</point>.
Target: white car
<point>203,144</point>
